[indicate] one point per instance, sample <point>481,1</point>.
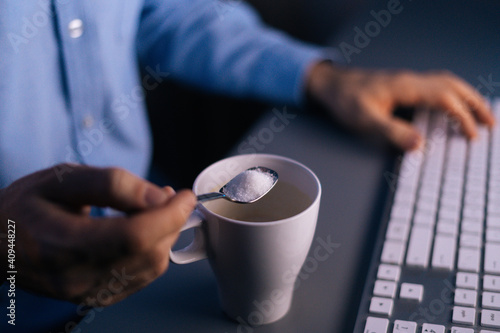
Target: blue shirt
<point>70,89</point>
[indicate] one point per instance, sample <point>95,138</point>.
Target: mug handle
<point>196,250</point>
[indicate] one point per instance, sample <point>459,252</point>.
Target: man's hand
<point>364,100</point>
<point>64,253</point>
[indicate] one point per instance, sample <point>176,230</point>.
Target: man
<point>70,93</point>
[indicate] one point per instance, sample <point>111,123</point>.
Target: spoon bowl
<point>246,187</point>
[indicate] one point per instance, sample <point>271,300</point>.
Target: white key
<point>491,300</point>
<point>393,252</point>
<point>492,235</point>
<point>461,330</point>
<point>465,297</point>
<point>491,282</point>
<point>487,331</point>
<point>444,227</point>
<point>444,252</point>
<point>403,212</point>
<point>388,272</point>
<point>376,325</point>
<point>493,221</point>
<point>472,227</point>
<point>397,231</point>
<point>384,288</point>
<point>420,247</point>
<point>403,326</point>
<point>492,258</point>
<point>467,280</point>
<point>424,218</point>
<point>474,213</point>
<point>493,206</point>
<point>433,328</point>
<point>405,197</point>
<point>469,259</point>
<point>471,240</point>
<point>448,214</point>
<point>463,315</point>
<point>490,318</point>
<point>411,291</point>
<point>381,305</point>
<point>427,206</point>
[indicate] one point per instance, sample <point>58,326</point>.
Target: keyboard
<point>436,263</point>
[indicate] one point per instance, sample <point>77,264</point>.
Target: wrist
<point>323,82</point>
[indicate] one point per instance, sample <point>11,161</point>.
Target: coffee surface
<point>283,201</point>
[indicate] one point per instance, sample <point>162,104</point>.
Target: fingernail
<point>155,196</point>
<point>169,190</point>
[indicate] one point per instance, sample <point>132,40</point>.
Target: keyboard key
<point>465,297</point>
<point>472,227</point>
<point>388,272</point>
<point>376,325</point>
<point>403,212</point>
<point>397,231</point>
<point>384,288</point>
<point>444,227</point>
<point>419,247</point>
<point>492,258</point>
<point>411,291</point>
<point>402,326</point>
<point>467,280</point>
<point>449,214</point>
<point>471,240</point>
<point>491,300</point>
<point>490,318</point>
<point>487,331</point>
<point>469,259</point>
<point>492,235</point>
<point>474,213</point>
<point>461,330</point>
<point>424,218</point>
<point>433,328</point>
<point>493,221</point>
<point>381,305</point>
<point>444,252</point>
<point>393,252</point>
<point>463,315</point>
<point>491,282</point>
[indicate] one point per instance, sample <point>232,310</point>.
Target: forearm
<point>228,51</point>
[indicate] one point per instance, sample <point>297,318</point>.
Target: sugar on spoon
<point>246,187</point>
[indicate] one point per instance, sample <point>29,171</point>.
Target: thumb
<point>104,187</point>
<point>398,132</point>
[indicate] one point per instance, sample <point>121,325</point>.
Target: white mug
<point>255,250</point>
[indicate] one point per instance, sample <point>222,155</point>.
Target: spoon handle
<point>210,196</point>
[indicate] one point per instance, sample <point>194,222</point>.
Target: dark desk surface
<point>462,37</point>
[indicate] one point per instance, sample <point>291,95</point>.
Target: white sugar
<point>249,185</point>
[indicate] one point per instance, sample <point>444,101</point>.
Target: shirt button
<point>88,121</point>
<point>75,28</point>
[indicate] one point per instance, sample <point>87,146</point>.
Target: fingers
<point>155,225</point>
<point>142,231</point>
<point>105,187</point>
<point>448,92</point>
<point>453,105</point>
<point>398,132</point>
<point>138,244</point>
<point>474,100</point>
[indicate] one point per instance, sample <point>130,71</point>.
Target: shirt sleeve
<point>223,47</point>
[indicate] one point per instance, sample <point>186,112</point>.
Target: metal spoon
<point>223,193</point>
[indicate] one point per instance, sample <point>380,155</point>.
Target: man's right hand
<point>63,252</point>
